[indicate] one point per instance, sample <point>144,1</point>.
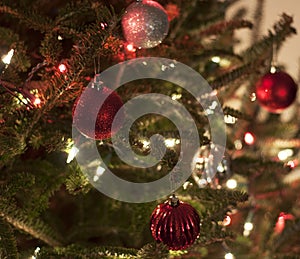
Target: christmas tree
<point>119,137</point>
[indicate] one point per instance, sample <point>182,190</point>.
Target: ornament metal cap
<point>173,200</point>
<point>96,82</point>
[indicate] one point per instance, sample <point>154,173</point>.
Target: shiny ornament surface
<point>84,110</point>
<point>276,91</point>
<point>175,223</point>
<point>145,24</point>
<point>205,171</point>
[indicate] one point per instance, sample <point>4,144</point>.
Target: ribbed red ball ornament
<point>175,223</point>
<point>276,91</point>
<point>85,112</point>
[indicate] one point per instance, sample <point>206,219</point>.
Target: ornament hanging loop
<point>274,60</point>
<point>96,82</point>
<point>97,65</point>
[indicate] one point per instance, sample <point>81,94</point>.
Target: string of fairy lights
<point>249,139</point>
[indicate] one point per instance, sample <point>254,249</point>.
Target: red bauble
<point>175,223</point>
<point>276,91</point>
<point>145,24</point>
<point>84,113</point>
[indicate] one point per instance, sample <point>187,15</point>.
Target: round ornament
<point>145,24</point>
<point>204,170</point>
<point>84,111</point>
<point>276,91</point>
<point>175,223</point>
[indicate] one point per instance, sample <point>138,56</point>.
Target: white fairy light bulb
<point>231,183</point>
<point>7,58</point>
<point>229,256</point>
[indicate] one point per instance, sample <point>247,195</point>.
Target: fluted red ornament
<point>175,223</point>
<point>85,112</point>
<point>276,91</point>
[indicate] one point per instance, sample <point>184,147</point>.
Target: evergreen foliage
<point>50,204</point>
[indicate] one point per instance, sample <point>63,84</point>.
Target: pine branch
<point>51,48</point>
<point>20,60</point>
<point>238,73</point>
<point>11,145</point>
<point>30,18</point>
<point>225,26</point>
<point>226,200</point>
<point>73,9</point>
<point>268,235</point>
<point>252,167</point>
<point>8,244</point>
<point>32,184</point>
<point>85,13</point>
<point>227,197</point>
<point>258,17</point>
<point>282,30</point>
<point>88,44</point>
<point>80,252</point>
<point>216,16</point>
<point>77,182</point>
<point>16,183</point>
<point>235,113</point>
<point>286,256</point>
<point>35,227</point>
<point>175,31</point>
<point>283,143</point>
<point>210,233</point>
<point>286,235</point>
<point>208,53</point>
<point>153,251</point>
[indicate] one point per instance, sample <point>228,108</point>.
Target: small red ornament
<point>84,113</point>
<point>175,223</point>
<point>276,91</point>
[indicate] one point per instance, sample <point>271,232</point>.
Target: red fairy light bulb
<point>249,138</point>
<point>62,68</point>
<point>37,102</point>
<point>292,163</point>
<point>103,25</point>
<point>280,224</point>
<point>226,221</point>
<point>130,47</point>
<point>175,223</point>
<point>173,11</point>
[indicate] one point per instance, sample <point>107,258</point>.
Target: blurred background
<point>289,54</point>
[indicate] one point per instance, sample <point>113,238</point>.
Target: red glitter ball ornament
<point>175,223</point>
<point>85,113</point>
<point>276,91</point>
<point>145,24</point>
